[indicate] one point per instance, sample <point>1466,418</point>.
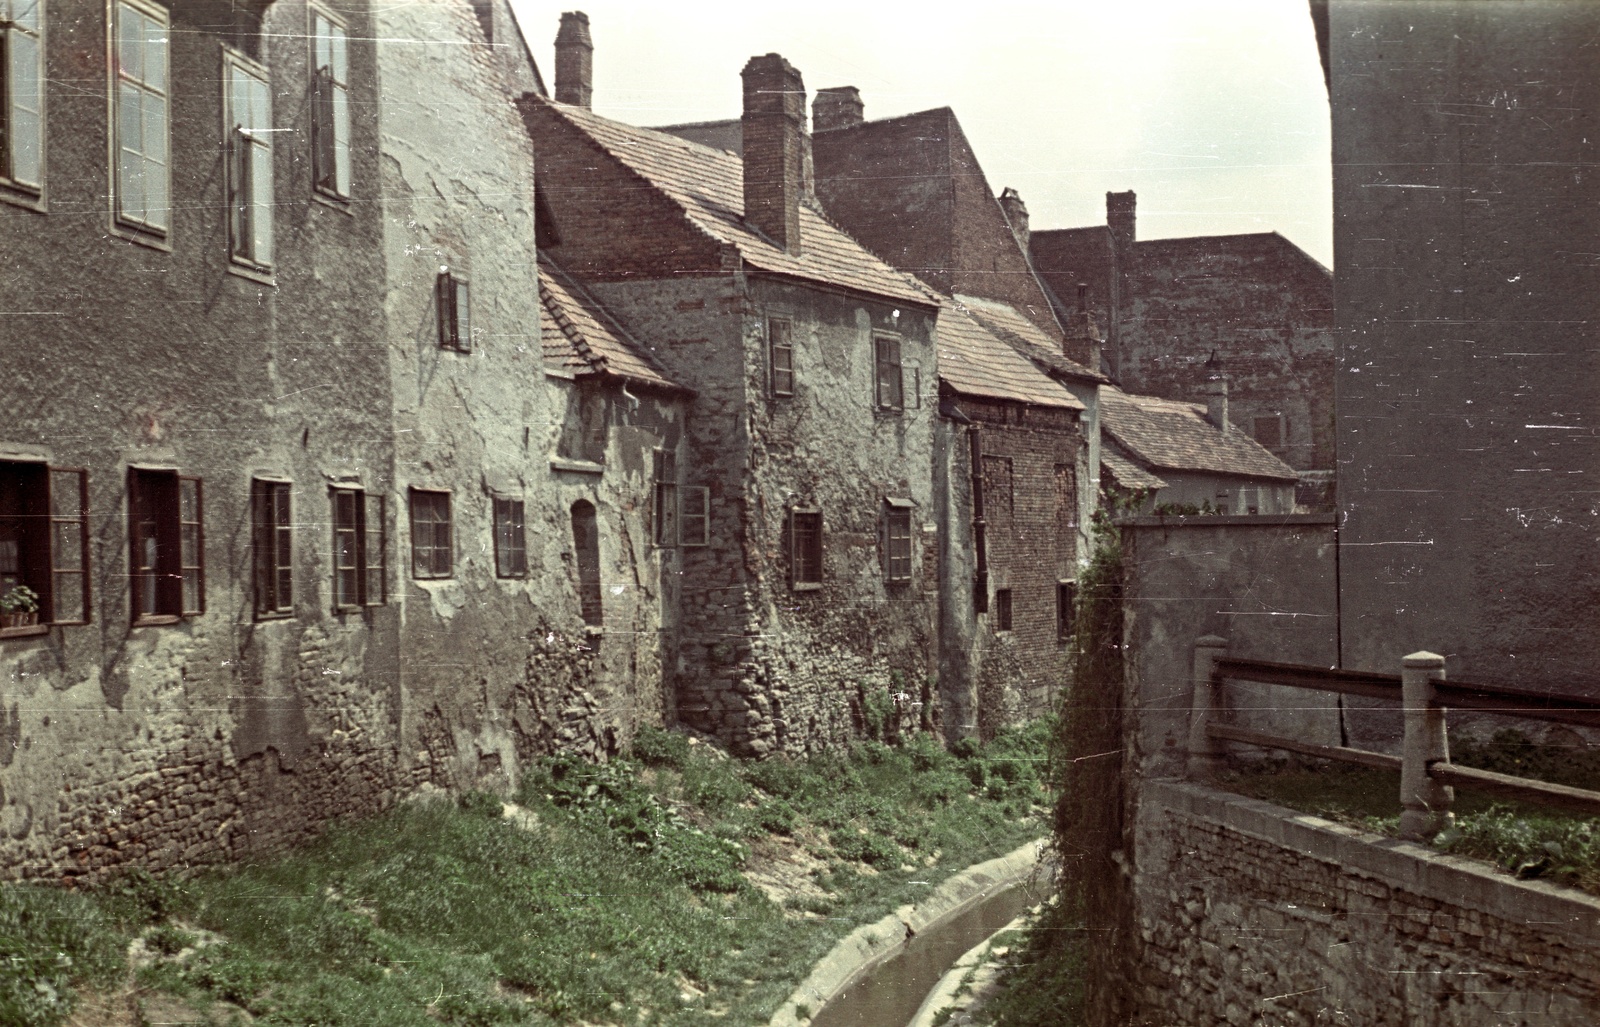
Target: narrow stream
<point>890,994</point>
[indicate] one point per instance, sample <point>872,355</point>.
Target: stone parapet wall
<point>1247,913</point>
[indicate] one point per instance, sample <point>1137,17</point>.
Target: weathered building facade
<point>811,587</point>
<point>1258,302</point>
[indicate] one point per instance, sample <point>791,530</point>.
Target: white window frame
<point>247,163</point>
<point>881,383</point>
<point>123,83</point>
<point>18,35</point>
<point>330,104</point>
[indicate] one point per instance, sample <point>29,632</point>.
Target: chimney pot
<point>775,148</point>
<point>1016,215</point>
<point>574,60</point>
<point>839,107</point>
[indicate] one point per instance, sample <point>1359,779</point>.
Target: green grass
<point>625,904</point>
<point>1524,839</point>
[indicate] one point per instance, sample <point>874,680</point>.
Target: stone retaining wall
<point>1248,913</point>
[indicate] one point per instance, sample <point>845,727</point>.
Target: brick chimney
<point>1215,391</point>
<point>775,142</point>
<point>574,60</point>
<point>1016,215</point>
<point>1082,339</point>
<point>1119,218</point>
<point>839,107</point>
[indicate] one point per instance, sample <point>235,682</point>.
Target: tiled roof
<point>1127,473</point>
<point>1164,434</point>
<point>973,361</point>
<point>1027,338</point>
<point>708,185</point>
<point>579,335</point>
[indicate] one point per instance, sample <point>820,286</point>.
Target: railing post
<point>1205,752</point>
<point>1425,802</point>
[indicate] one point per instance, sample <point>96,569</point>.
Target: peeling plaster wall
<point>220,735</point>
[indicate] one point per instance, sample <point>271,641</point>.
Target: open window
<point>330,106</point>
<point>453,300</point>
<point>247,115</point>
<point>890,377</point>
<point>272,548</point>
<point>166,532</point>
<point>780,355</point>
<point>44,547</point>
<point>805,549</point>
<point>360,546</point>
<point>22,80</point>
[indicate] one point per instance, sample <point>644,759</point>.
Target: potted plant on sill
<point>19,607</point>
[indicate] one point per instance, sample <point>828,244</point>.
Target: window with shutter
<point>167,543</point>
<point>69,546</point>
<point>44,547</point>
<point>890,389</point>
<point>453,302</point>
<point>897,541</point>
<point>666,497</point>
<point>359,541</point>
<point>273,549</point>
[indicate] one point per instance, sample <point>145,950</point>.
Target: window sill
<point>334,200</point>
<point>262,618</point>
<point>25,631</point>
<point>262,276</point>
<point>157,620</point>
<point>806,586</point>
<point>140,237</point>
<point>576,466</point>
<point>22,196</point>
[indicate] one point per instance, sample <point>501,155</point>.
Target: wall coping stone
<point>1216,520</point>
<point>870,944</point>
<point>1571,914</point>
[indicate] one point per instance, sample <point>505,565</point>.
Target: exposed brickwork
<point>1331,926</point>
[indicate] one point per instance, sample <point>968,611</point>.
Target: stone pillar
<point>1205,752</point>
<point>1426,802</point>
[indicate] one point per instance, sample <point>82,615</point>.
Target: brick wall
<point>1246,913</point>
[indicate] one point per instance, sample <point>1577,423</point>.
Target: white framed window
<point>247,126</point>
<point>330,105</point>
<point>140,177</point>
<point>22,94</point>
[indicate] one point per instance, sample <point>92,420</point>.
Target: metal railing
<point>1427,777</point>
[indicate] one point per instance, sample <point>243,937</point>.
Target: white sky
<point>1214,111</point>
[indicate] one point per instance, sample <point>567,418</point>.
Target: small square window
<point>510,539</point>
<point>167,543</point>
<point>453,300</point>
<point>1066,607</point>
<point>1002,609</point>
<point>897,542</point>
<point>805,548</point>
<point>890,383</point>
<point>431,543</point>
<point>272,548</point>
<point>780,355</point>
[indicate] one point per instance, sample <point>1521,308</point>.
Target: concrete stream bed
<point>880,974</point>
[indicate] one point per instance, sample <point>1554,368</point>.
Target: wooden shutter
<point>666,497</point>
<point>694,518</point>
<point>69,545</point>
<point>374,551</point>
<point>191,546</point>
<point>324,138</point>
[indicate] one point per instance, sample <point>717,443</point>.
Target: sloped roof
<point>976,362</point>
<point>708,185</point>
<point>1165,434</point>
<point>576,333</point>
<point>1127,473</point>
<point>1009,324</point>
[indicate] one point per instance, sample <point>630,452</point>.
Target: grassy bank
<point>673,887</point>
<point>1522,839</point>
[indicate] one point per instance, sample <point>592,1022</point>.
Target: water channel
<point>891,992</point>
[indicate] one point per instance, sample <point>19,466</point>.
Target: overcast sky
<point>1214,111</point>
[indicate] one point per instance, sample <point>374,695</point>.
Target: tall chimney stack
<point>1083,339</point>
<point>1215,391</point>
<point>574,60</point>
<point>839,107</point>
<point>1016,215</point>
<point>775,142</point>
<point>1119,218</point>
